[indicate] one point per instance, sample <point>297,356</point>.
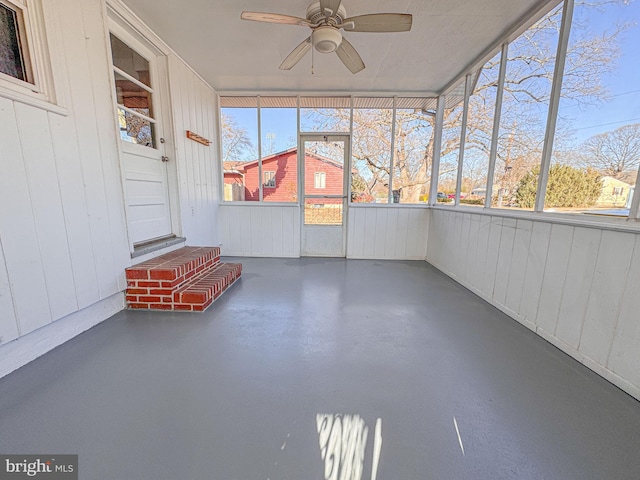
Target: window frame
<point>320,180</point>
<point>272,178</point>
<point>38,90</point>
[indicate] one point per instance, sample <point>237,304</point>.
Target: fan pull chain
<point>312,52</point>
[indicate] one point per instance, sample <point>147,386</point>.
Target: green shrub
<point>567,187</point>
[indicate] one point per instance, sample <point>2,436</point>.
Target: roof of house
<point>244,165</point>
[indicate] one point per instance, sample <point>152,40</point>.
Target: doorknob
<point>165,159</point>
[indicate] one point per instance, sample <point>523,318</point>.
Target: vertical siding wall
<point>575,286</point>
<point>194,107</point>
<point>260,230</point>
<point>63,233</point>
<point>390,233</point>
<point>393,233</point>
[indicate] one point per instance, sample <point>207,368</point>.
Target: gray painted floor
<point>234,393</point>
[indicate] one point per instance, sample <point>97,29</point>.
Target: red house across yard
<point>323,176</point>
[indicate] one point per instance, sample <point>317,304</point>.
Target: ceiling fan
<point>325,19</point>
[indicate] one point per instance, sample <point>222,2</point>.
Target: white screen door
<point>325,173</point>
<point>144,166</point>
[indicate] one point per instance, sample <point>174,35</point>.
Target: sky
<point>624,86</point>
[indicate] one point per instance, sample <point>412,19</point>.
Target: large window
<point>450,149</point>
<point>371,150</point>
<point>596,152</point>
<point>279,140</point>
<point>259,137</point>
<point>240,157</point>
<point>525,105</point>
<point>413,149</point>
<point>481,111</point>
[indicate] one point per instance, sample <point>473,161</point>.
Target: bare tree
<point>615,153</point>
<point>236,144</point>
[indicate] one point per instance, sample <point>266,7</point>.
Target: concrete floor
<point>461,390</point>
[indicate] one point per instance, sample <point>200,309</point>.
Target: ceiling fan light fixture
<point>326,39</point>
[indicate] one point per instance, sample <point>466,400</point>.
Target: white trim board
<point>27,348</point>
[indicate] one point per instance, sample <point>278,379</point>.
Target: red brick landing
<point>188,279</point>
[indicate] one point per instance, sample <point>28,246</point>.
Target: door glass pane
<point>323,175</point>
<point>135,129</point>
<point>133,96</point>
<point>130,61</point>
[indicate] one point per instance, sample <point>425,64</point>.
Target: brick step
<point>176,280</point>
<point>198,294</point>
<point>174,268</point>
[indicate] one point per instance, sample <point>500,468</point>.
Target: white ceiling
<point>234,55</point>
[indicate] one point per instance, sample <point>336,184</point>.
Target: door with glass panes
<point>324,173</point>
<point>144,165</point>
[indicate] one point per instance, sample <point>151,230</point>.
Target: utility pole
<point>270,136</point>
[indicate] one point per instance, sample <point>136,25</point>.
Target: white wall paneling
<point>194,107</point>
<point>62,228</point>
<point>574,285</point>
<point>260,230</point>
<point>387,232</point>
<point>63,232</point>
<point>391,233</point>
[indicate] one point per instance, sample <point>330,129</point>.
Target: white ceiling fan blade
<point>274,18</point>
<point>379,22</point>
<point>329,7</point>
<point>349,56</point>
<point>296,55</point>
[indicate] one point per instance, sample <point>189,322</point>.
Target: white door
<point>324,163</point>
<point>144,166</point>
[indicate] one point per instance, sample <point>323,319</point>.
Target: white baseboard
<point>23,350</point>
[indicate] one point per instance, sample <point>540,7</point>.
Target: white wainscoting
<point>384,232</point>
<point>263,230</point>
<point>575,286</point>
<point>388,232</point>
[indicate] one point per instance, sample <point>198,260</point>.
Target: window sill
<point>628,225</point>
<point>34,100</point>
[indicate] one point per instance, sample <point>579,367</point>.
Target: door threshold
<point>154,245</point>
